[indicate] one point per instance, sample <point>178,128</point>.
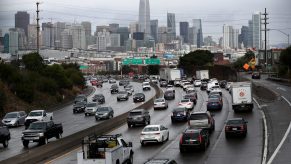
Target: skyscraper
<point>230,37</point>
<point>243,37</point>
<point>78,36</point>
<point>257,37</point>
<point>32,31</point>
<point>59,27</point>
<point>184,31</point>
<point>22,20</point>
<point>13,41</point>
<point>250,34</point>
<point>198,35</point>
<point>144,17</point>
<point>124,35</point>
<point>171,23</point>
<point>48,39</point>
<point>113,27</point>
<point>87,27</point>
<point>154,29</point>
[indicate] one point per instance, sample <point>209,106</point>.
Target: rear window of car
<point>92,105</point>
<point>179,110</point>
<point>198,117</point>
<point>190,135</point>
<point>213,100</point>
<point>185,100</point>
<point>150,129</point>
<point>103,109</point>
<point>232,122</point>
<point>160,100</point>
<point>135,113</point>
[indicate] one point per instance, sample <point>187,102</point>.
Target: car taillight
<point>181,139</point>
<point>200,138</point>
<point>242,127</point>
<point>142,134</point>
<point>227,128</point>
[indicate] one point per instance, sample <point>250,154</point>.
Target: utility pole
<point>265,29</point>
<point>37,27</point>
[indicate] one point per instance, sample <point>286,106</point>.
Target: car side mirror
<point>129,144</point>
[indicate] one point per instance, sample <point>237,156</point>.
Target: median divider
<point>45,152</point>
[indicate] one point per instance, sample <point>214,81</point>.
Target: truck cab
<point>105,149</point>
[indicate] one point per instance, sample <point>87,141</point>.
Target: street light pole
<point>284,34</point>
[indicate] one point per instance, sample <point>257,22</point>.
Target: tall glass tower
<point>144,17</point>
<point>198,35</point>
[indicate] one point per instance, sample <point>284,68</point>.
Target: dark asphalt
<point>73,123</point>
<point>234,150</point>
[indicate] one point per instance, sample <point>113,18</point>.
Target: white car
<point>154,133</point>
<point>37,115</point>
<point>216,89</point>
<point>182,83</point>
<point>187,103</point>
<point>177,82</point>
<point>146,86</point>
<point>91,109</point>
<point>170,88</point>
<point>197,83</point>
<point>189,87</point>
<point>186,85</point>
<point>160,103</point>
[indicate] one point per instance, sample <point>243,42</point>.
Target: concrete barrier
<point>65,144</point>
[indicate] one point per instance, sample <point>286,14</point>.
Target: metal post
<point>37,27</point>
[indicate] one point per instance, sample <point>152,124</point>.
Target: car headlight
<point>41,134</point>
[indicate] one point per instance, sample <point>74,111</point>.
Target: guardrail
<point>62,145</point>
<point>279,79</point>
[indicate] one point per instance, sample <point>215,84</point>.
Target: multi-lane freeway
<point>221,150</point>
<point>73,123</point>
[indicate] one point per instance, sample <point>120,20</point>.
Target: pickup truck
<point>37,115</point>
<point>105,149</point>
<point>41,131</point>
<point>4,135</point>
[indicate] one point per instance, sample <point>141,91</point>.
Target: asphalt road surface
<point>220,151</point>
<point>73,123</point>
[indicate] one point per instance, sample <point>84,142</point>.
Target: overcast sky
<point>214,13</point>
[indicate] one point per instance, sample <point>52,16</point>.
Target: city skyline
<point>128,12</point>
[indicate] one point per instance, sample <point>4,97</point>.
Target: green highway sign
<point>83,67</point>
<point>132,61</point>
<point>152,61</point>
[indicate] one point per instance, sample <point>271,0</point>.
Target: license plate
<point>234,128</point>
<point>178,115</point>
<point>31,138</point>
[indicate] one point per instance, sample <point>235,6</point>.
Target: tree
<point>126,69</point>
<point>153,69</point>
<point>194,59</point>
<point>33,62</point>
<point>2,99</point>
<point>243,60</point>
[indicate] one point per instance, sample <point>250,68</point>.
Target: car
<point>14,118</point>
<point>177,82</point>
<point>256,75</point>
<point>187,103</point>
<point>191,96</point>
<point>104,112</point>
<point>160,103</point>
<point>99,84</point>
<point>79,107</point>
<point>91,109</point>
<point>179,114</point>
<point>203,86</point>
<point>228,85</point>
<point>197,83</point>
<point>146,86</point>
<point>80,97</point>
<point>137,117</point>
<point>122,95</point>
<point>154,133</point>
<point>154,80</point>
<point>111,80</point>
<point>161,161</point>
<point>202,120</point>
<point>37,115</point>
<point>123,82</point>
<point>4,135</point>
<point>215,95</point>
<point>189,88</point>
<point>169,95</point>
<point>187,84</point>
<point>193,138</point>
<point>114,89</point>
<point>138,97</point>
<point>214,104</point>
<point>163,83</point>
<point>211,84</point>
<point>182,82</point>
<point>192,91</point>
<point>236,127</point>
<point>129,89</point>
<point>100,98</point>
<point>105,80</point>
<point>222,83</point>
<point>215,89</point>
<point>170,88</point>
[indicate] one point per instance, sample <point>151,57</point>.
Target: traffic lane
<point>173,151</point>
<point>133,134</point>
<point>73,123</point>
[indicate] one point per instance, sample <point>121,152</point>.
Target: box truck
<point>242,99</point>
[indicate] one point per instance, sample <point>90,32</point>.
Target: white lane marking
<point>280,145</point>
<point>283,89</point>
<point>257,103</point>
<point>286,100</point>
<point>168,146</point>
<point>265,152</point>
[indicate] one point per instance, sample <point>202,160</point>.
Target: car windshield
<point>213,100</point>
<point>179,110</point>
<point>232,122</point>
<point>135,113</point>
<point>139,95</point>
<point>184,100</point>
<point>214,96</point>
<point>103,109</point>
<point>198,116</point>
<point>11,115</point>
<point>122,92</point>
<point>92,105</point>
<point>168,92</point>
<point>151,129</point>
<point>35,114</point>
<point>37,126</point>
<point>79,103</point>
<point>160,100</point>
<point>215,87</point>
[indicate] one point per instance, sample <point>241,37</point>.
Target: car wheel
<point>5,143</point>
<point>25,143</point>
<point>204,146</point>
<point>130,160</point>
<point>17,124</point>
<point>227,135</point>
<point>129,125</point>
<point>182,150</point>
<point>58,136</point>
<point>168,137</point>
<point>142,143</point>
<point>110,116</point>
<point>162,139</point>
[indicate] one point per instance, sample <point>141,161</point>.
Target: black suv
<point>194,138</point>
<point>203,86</point>
<point>169,95</point>
<point>138,97</point>
<point>79,107</point>
<point>222,83</point>
<point>236,127</point>
<point>114,89</point>
<point>80,98</point>
<point>256,75</point>
<point>4,135</point>
<point>138,116</point>
<point>99,98</point>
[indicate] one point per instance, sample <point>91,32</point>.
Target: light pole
<point>283,33</point>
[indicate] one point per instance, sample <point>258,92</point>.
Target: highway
<point>278,114</point>
<point>220,151</point>
<point>73,123</point>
